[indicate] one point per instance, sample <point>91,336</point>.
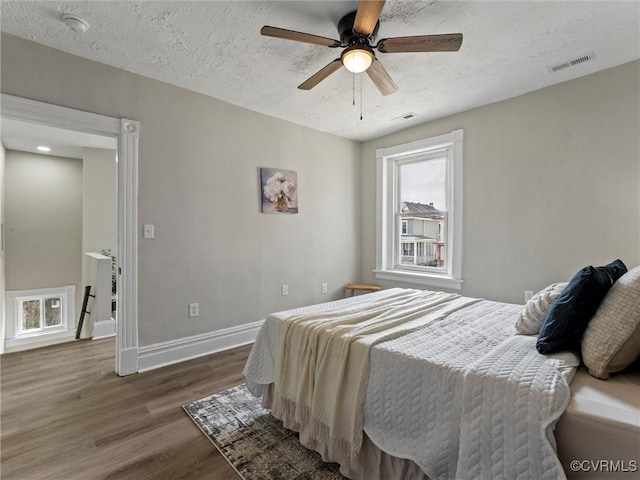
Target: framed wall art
<point>279,190</point>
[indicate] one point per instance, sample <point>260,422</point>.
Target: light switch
<point>149,231</point>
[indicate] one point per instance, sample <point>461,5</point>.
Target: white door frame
<point>127,132</point>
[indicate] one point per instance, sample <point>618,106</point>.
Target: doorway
<point>123,134</point>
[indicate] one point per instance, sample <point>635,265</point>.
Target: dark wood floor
<point>66,415</point>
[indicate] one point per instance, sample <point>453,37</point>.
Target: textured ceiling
<point>215,48</point>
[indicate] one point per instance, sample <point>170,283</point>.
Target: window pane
<point>423,209</point>
<point>52,312</point>
<point>30,314</point>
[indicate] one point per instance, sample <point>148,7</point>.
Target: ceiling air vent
<point>572,62</point>
<point>406,116</point>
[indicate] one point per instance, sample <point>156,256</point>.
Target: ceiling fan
<point>358,31</point>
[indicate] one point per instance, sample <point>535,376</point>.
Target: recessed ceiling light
<point>42,148</point>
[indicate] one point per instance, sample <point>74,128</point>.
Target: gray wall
<point>99,204</point>
<point>99,200</point>
<point>199,184</point>
<point>43,208</point>
<point>551,183</point>
<point>2,246</point>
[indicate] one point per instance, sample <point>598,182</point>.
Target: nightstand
<point>352,288</point>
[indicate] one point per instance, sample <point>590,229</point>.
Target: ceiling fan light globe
<point>357,59</point>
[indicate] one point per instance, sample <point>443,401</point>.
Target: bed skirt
<point>374,463</point>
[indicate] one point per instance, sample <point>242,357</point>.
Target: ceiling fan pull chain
<point>353,89</point>
<point>361,96</point>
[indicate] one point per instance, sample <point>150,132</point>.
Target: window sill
<point>422,279</point>
<point>41,340</point>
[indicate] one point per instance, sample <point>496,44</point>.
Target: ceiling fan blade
<point>323,73</point>
<point>298,36</point>
<point>422,43</point>
<point>367,16</point>
<point>381,78</point>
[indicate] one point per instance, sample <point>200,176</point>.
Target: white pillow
<point>534,312</point>
<point>612,340</point>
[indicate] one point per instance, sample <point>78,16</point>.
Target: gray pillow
<point>612,340</point>
<point>534,312</point>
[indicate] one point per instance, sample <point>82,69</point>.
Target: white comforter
<point>462,397</point>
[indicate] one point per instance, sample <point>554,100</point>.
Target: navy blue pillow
<point>569,315</point>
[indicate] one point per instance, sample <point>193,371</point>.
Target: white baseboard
<point>174,351</point>
<point>127,364</point>
<point>106,328</point>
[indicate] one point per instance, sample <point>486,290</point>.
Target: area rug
<point>256,445</point>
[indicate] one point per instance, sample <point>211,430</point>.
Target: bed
<point>443,392</point>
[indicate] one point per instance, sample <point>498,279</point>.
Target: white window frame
<point>450,146</point>
<point>43,329</point>
<point>17,337</point>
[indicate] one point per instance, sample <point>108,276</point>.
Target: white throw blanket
<point>322,361</point>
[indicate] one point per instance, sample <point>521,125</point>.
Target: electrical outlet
<point>149,231</point>
<point>323,288</point>
<point>527,295</point>
<point>285,290</point>
<point>194,310</point>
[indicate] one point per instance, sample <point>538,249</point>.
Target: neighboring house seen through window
<point>419,237</point>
